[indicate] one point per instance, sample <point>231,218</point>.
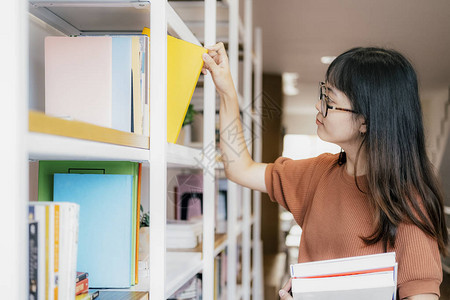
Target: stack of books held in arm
<point>360,277</point>
<point>184,234</point>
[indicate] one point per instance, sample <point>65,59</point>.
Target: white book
<point>68,249</point>
<point>360,277</point>
<point>50,214</point>
<point>373,286</point>
<point>341,265</point>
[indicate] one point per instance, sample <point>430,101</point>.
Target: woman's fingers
<point>209,64</point>
<point>285,295</point>
<point>219,48</point>
<point>287,286</point>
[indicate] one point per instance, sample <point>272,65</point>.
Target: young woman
<point>380,194</point>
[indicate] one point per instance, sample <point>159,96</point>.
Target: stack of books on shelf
<point>53,249</point>
<point>100,80</point>
<point>184,234</point>
<point>103,80</point>
<point>191,290</point>
<point>108,197</point>
<point>361,277</point>
<point>82,283</point>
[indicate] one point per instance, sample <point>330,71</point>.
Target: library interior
<point>172,149</point>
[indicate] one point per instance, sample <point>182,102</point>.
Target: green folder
<point>49,167</point>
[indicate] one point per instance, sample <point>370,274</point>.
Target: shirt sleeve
<point>419,262</point>
<point>292,183</point>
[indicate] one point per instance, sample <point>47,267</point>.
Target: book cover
<point>48,168</point>
<point>104,245</point>
<point>184,64</point>
<point>78,78</point>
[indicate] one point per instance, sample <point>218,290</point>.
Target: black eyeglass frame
<point>324,106</point>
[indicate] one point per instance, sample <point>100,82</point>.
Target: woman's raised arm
<point>239,165</point>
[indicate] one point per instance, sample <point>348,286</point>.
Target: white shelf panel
<point>220,247</point>
<point>178,27</point>
<point>182,156</point>
<point>51,147</point>
<point>75,17</point>
<point>180,267</point>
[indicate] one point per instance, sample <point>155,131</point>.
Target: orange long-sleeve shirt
<point>334,214</point>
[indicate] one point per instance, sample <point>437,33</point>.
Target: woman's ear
<point>363,126</point>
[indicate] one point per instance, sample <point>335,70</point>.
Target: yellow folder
<point>184,64</point>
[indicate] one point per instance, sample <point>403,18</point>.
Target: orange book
<point>82,286</point>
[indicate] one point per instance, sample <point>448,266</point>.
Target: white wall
<point>433,106</point>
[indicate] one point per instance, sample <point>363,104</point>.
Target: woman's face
<point>339,127</point>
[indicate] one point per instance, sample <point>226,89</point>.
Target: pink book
<point>78,78</point>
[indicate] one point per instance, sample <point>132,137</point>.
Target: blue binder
<point>104,244</point>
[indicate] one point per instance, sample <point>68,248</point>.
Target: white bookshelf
<point>72,17</point>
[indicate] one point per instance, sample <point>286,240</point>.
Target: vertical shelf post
<point>232,197</point>
<point>209,159</point>
<point>258,288</point>
<point>158,146</point>
<point>247,120</point>
<point>13,127</point>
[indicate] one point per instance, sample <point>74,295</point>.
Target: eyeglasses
<point>324,100</point>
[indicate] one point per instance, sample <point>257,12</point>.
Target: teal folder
<point>105,225</point>
<point>49,167</point>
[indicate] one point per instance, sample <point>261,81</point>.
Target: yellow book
<point>184,64</point>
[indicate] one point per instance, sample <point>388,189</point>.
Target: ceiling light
<point>327,59</point>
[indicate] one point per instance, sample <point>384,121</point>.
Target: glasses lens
<point>324,107</point>
<point>323,103</point>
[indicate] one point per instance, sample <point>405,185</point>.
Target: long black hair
<point>382,86</point>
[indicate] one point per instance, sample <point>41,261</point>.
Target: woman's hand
<point>284,292</point>
<point>216,62</point>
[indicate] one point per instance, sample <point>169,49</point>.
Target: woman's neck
<point>352,160</point>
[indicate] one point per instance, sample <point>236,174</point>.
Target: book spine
<point>40,217</point>
<point>33,259</point>
<point>48,253</point>
<point>81,276</point>
<point>82,286</point>
<point>73,246</point>
<point>56,251</point>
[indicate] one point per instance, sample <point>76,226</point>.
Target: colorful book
<point>184,64</point>
<point>88,296</point>
<point>82,286</point>
<point>105,225</point>
<point>81,276</point>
